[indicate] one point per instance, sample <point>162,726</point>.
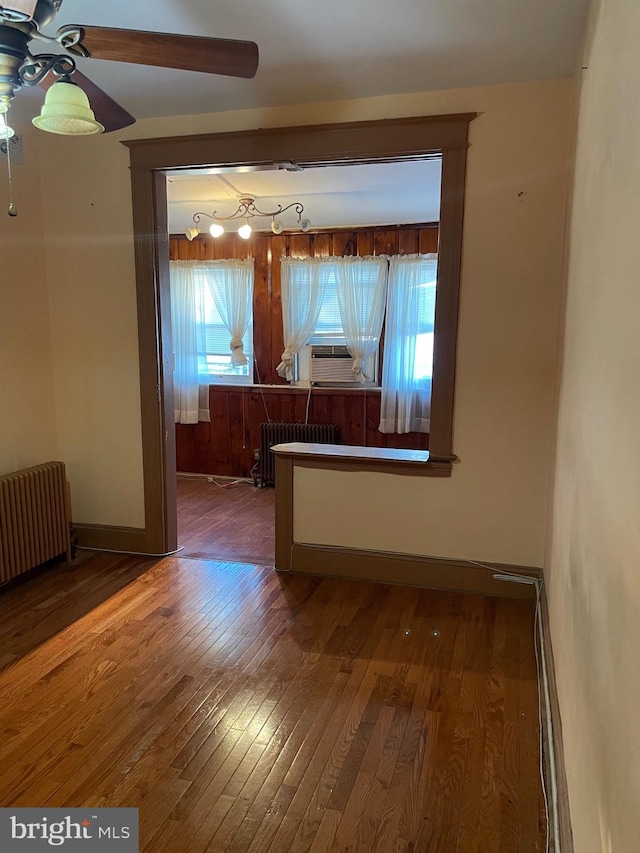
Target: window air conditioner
<point>331,365</point>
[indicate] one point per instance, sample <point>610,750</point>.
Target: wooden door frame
<point>329,144</point>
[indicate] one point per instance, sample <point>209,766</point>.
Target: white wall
<point>494,506</point>
<point>90,266</point>
<point>592,568</point>
<point>27,415</point>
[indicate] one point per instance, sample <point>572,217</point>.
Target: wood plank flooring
<point>245,711</point>
<point>235,523</point>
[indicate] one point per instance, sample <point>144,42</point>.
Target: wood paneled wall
<point>225,446</point>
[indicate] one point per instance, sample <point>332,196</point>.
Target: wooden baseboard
<point>560,832</point>
<point>130,540</point>
<point>410,570</point>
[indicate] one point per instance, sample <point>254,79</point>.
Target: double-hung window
<point>211,318</point>
<point>408,349</point>
<point>224,306</point>
<point>335,336</point>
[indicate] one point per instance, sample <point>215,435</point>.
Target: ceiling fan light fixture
<point>216,229</point>
<point>304,224</point>
<point>245,231</point>
<point>66,111</point>
<point>277,227</point>
<point>6,132</point>
<point>191,233</point>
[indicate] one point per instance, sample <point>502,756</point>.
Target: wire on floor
<point>228,483</point>
<point>543,701</point>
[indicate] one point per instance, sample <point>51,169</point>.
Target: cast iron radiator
<point>35,518</point>
<point>281,433</point>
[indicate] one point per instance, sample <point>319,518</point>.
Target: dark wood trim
<point>131,540</point>
<point>149,196</point>
<point>564,843</point>
<point>369,141</point>
<point>408,570</point>
<point>447,301</point>
<point>284,510</point>
<point>410,137</point>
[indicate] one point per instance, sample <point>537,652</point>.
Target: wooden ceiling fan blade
<point>190,53</point>
<point>107,111</point>
<point>23,8</point>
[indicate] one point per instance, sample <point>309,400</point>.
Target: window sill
<point>299,389</point>
<point>346,457</point>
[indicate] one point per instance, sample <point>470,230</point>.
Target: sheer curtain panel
<point>303,285</point>
<point>408,347</point>
<point>190,376</point>
<point>231,287</point>
<point>361,286</point>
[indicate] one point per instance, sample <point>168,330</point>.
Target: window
<point>408,354</point>
<point>326,360</point>
<point>211,311</point>
<point>423,363</point>
<point>218,356</point>
<point>328,304</point>
<point>329,329</point>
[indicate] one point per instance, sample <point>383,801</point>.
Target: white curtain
<point>361,286</point>
<point>303,285</point>
<point>190,377</point>
<point>231,287</point>
<point>408,344</point>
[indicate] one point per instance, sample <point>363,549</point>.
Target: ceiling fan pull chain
<point>12,210</point>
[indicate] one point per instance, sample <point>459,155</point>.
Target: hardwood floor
<point>235,523</point>
<point>241,710</point>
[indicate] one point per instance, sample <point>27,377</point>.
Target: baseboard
<point>411,570</point>
<point>560,832</point>
<point>130,540</point>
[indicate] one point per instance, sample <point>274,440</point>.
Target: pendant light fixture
<point>247,209</point>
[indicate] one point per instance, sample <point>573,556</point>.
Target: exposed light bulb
<point>6,132</point>
<point>216,230</point>
<point>245,231</point>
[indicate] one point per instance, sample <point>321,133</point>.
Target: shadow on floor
<point>39,604</point>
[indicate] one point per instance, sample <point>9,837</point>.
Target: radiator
<point>281,433</point>
<point>34,518</point>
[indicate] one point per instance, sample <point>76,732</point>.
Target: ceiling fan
<point>21,22</point>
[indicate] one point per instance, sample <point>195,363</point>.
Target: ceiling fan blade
<point>23,8</point>
<point>191,53</point>
<point>107,111</point>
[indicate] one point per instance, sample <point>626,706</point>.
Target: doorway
<point>362,142</point>
<point>360,211</point>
